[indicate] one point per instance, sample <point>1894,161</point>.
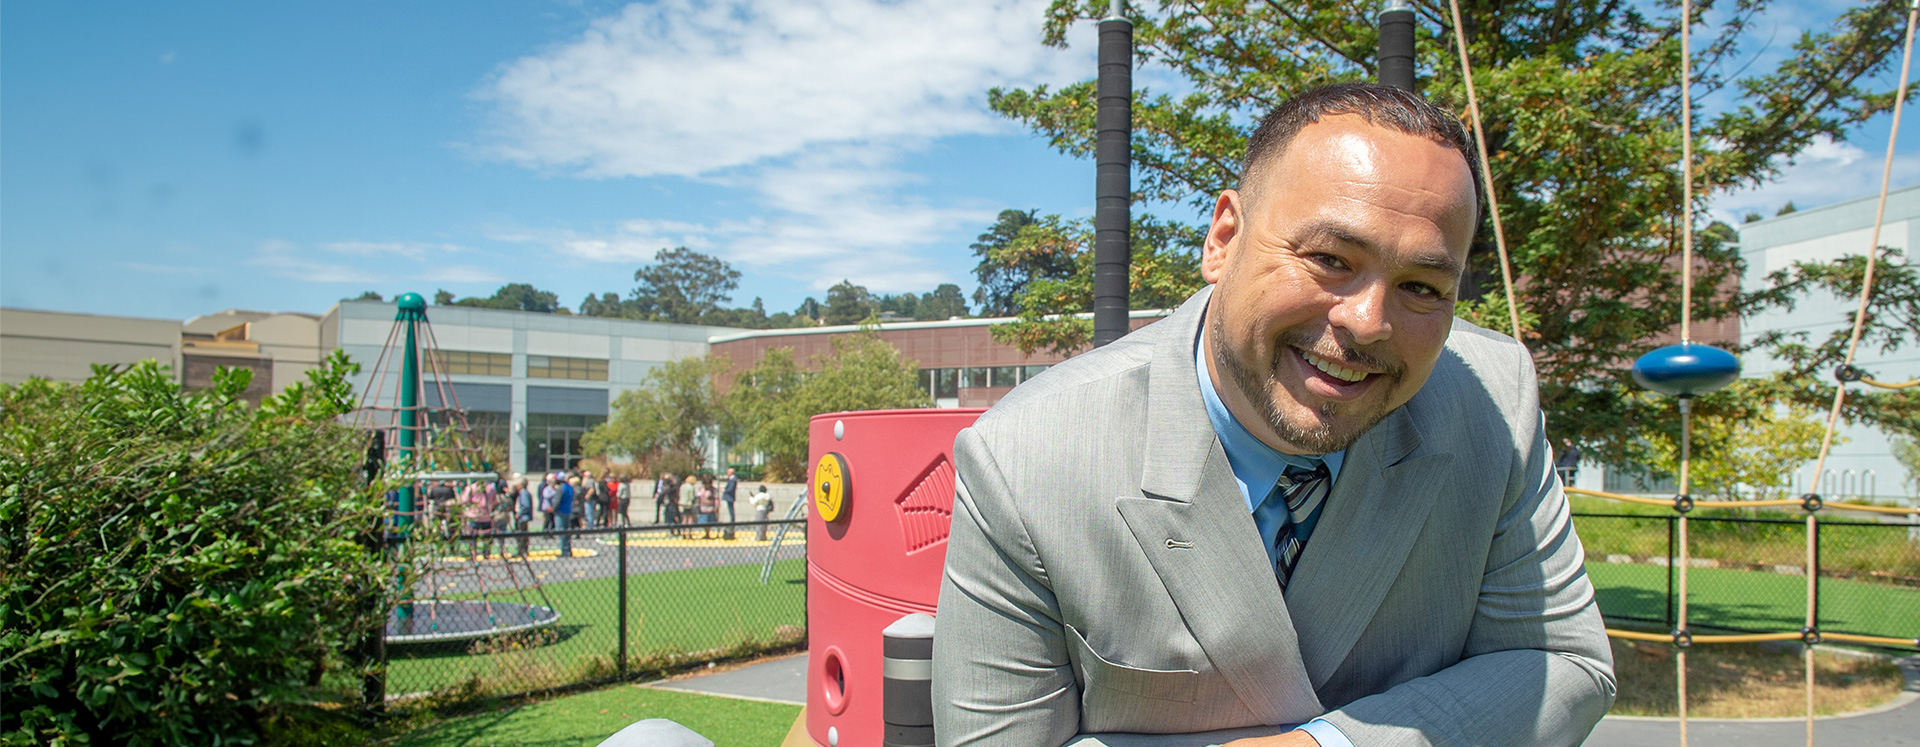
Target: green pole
<point>412,311</point>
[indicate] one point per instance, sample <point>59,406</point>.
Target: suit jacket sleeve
<point>1537,668</point>
<point>1001,673</point>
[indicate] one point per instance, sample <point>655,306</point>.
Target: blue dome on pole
<point>1686,370</point>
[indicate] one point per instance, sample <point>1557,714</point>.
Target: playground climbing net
<point>1687,369</point>
<point>468,595</point>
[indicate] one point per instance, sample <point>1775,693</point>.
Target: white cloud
<point>409,249</point>
<point>807,106</point>
<point>1825,173</point>
<point>286,259</point>
<point>460,274</point>
<point>689,88</point>
<point>394,260</point>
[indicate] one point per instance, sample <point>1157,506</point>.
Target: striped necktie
<point>1302,492</point>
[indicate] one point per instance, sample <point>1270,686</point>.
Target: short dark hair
<point>1391,107</point>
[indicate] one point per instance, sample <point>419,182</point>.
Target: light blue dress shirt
<point>1256,467</point>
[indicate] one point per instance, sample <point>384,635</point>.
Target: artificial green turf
<point>687,613</point>
<point>587,718</point>
<point>1773,602</point>
<point>1846,542</point>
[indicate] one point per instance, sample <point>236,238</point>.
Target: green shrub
<point>180,568</point>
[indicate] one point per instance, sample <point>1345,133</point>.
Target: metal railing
<point>510,613</point>
<point>1748,573</point>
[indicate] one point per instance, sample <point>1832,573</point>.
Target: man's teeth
<point>1343,374</point>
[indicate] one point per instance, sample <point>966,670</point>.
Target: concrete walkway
<point>1896,723</point>
<point>784,680</point>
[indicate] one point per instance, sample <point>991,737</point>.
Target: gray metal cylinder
<point>907,681</point>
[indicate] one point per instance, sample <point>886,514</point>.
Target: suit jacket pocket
<point>1098,672</point>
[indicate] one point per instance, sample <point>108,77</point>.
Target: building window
<point>946,383</point>
<point>941,383</point>
<point>553,441</point>
<point>477,364</point>
<point>556,367</point>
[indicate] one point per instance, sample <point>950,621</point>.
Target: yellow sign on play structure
<point>831,483</point>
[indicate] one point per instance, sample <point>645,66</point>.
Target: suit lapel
<point>1194,527</point>
<point>1373,516</point>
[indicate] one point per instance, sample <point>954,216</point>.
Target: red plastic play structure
<point>876,541</point>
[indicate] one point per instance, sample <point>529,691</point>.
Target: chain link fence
<point>1748,573</point>
<point>518,612</point>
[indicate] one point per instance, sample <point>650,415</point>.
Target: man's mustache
<point>1339,354</point>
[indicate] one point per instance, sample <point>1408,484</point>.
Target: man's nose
<point>1363,314</point>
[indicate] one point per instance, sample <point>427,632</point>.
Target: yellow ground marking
<point>533,556</point>
<point>744,539</point>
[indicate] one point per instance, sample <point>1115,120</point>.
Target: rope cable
<point>1486,171</point>
<point>1873,247</point>
<point>1686,329</point>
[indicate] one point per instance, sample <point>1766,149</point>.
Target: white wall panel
<point>474,339</point>
<point>570,344</point>
<point>365,332</point>
<point>644,349</point>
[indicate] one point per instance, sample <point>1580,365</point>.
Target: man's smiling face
<point>1335,281</point>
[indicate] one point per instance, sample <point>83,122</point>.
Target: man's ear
<point>1228,216</point>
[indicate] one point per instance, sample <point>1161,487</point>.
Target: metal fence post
<point>1815,570</point>
<point>620,657</point>
<point>1670,528</point>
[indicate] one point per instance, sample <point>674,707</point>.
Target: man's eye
<point>1424,291</point>
<point>1329,261</point>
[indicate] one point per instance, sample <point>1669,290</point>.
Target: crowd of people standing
<point>576,499</point>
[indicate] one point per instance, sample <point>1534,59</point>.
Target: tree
<point>511,297</point>
<point>945,302</point>
<point>810,310</point>
<point>849,304</point>
<point>369,296</point>
<point>1002,276</point>
<point>673,407</point>
<point>1750,454</point>
<point>607,305</point>
<point>1165,270</point>
<point>180,568</point>
<point>759,397</point>
<point>682,286</point>
<point>862,373</point>
<point>1906,449</point>
<point>1579,102</point>
<point>1892,324</point>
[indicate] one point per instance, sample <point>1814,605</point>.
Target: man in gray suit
<point>1144,540</point>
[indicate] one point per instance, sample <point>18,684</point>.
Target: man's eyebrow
<point>1322,229</point>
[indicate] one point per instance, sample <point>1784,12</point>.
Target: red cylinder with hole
<point>878,560</point>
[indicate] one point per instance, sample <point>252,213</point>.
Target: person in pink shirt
<point>476,504</point>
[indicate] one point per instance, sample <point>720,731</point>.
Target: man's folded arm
<point>1001,673</point>
<point>1537,669</point>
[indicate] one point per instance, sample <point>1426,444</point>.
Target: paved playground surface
<point>784,680</point>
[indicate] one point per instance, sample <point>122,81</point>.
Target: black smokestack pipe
<point>1113,184</point>
<point>1396,44</point>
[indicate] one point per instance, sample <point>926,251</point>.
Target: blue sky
<point>170,160</point>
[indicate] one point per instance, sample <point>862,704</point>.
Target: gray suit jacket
<point>1103,573</point>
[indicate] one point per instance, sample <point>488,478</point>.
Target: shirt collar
<point>1254,463</point>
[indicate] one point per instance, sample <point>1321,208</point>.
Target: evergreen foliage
<point>179,568</point>
<point>1580,104</point>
